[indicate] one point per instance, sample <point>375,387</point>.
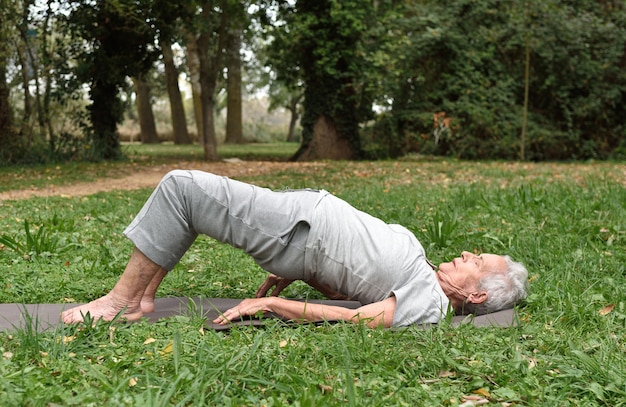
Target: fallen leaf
<point>167,349</point>
<point>607,309</point>
<point>325,388</point>
<point>473,401</point>
<point>283,343</point>
<point>483,392</point>
<point>132,382</point>
<point>148,341</point>
<point>446,374</point>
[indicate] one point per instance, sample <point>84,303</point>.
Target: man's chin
<point>445,267</point>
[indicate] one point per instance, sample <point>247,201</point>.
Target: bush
<point>466,60</point>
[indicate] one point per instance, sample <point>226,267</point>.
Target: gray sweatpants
<point>270,226</point>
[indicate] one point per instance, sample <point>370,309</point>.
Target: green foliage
<point>321,39</point>
<point>36,243</point>
<point>465,60</point>
<point>442,229</point>
<point>119,39</point>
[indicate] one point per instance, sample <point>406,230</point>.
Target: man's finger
<point>264,288</point>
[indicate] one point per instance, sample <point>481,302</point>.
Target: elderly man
<point>304,235</point>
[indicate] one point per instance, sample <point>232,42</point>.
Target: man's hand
<point>279,284</point>
<point>247,307</point>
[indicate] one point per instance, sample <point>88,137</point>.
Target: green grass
<point>567,222</point>
<point>277,151</point>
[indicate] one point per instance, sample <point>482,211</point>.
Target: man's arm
<point>374,315</point>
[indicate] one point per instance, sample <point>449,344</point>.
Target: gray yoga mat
<point>46,316</point>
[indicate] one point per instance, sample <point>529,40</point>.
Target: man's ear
<point>477,297</point>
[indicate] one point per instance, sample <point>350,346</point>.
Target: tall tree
<point>293,106</point>
<point>28,71</point>
<point>179,119</point>
<point>234,108</point>
<point>7,134</point>
<point>210,45</point>
<point>324,37</point>
<point>193,65</point>
<point>144,111</point>
<point>170,18</point>
<point>121,38</point>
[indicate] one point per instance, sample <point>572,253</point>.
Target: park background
<point>529,80</point>
<point>489,126</point>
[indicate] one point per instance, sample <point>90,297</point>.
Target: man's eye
<point>479,261</point>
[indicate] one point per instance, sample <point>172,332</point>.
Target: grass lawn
<point>567,222</point>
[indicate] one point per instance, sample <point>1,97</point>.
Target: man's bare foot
<point>105,308</point>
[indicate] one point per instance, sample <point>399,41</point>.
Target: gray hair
<point>504,290</point>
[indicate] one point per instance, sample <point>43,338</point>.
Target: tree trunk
<point>210,44</point>
<point>234,126</point>
<point>193,64</point>
<point>104,112</point>
<point>179,120</point>
<point>6,129</point>
<point>46,74</point>
<point>326,143</point>
<point>292,137</point>
<point>26,128</point>
<point>144,110</point>
<point>294,101</point>
<point>207,86</point>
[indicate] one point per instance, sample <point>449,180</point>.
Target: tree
<point>234,124</point>
<point>324,37</point>
<point>193,66</point>
<point>144,111</point>
<point>465,61</point>
<point>179,120</point>
<point>210,45</point>
<point>169,18</point>
<point>293,106</point>
<point>7,134</point>
<point>120,40</point>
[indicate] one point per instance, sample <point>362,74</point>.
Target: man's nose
<point>465,255</point>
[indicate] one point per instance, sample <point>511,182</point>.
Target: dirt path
<point>149,178</point>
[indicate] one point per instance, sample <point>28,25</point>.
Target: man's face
<point>462,274</point>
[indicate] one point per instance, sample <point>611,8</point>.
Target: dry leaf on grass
<point>606,310</point>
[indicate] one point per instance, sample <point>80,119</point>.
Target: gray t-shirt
<point>362,256</point>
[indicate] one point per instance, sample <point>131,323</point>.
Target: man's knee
<point>176,174</point>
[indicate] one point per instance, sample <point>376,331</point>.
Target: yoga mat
<point>44,317</point>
